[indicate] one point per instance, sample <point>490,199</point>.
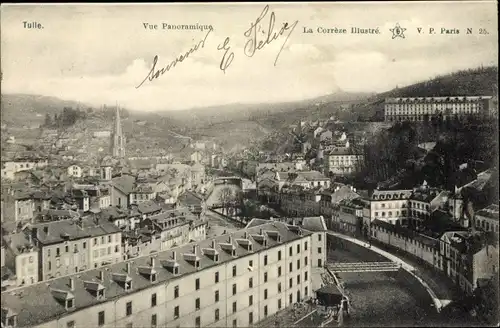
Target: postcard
<point>301,164</point>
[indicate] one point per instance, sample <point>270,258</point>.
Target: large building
<point>342,161</point>
<point>424,108</point>
<point>70,246</point>
<point>233,280</point>
<point>390,206</point>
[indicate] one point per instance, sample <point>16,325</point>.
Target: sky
<point>99,54</point>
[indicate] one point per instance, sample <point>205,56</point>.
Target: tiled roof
<point>19,242</point>
<point>37,304</point>
<point>425,194</point>
<point>148,207</point>
<point>124,183</point>
<point>55,232</point>
<point>385,195</point>
<point>410,234</point>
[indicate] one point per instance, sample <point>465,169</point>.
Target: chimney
<point>101,275</point>
<point>71,284</point>
<point>128,267</point>
<point>152,262</point>
<point>174,256</point>
<point>245,235</point>
<point>194,249</point>
<point>230,241</point>
<point>213,244</point>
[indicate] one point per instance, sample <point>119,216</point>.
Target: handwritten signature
<point>253,44</point>
<point>154,73</point>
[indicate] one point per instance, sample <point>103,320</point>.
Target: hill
<point>19,110</point>
<point>481,81</point>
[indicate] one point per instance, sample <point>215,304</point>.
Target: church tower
<point>117,138</point>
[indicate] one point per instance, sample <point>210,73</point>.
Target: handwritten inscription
<point>156,73</point>
<point>253,43</point>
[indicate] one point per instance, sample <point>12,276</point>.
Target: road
<point>218,224</point>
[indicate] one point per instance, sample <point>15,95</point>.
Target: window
<point>197,283</point>
<point>279,271</point>
<point>279,304</point>
<point>305,246</point>
<point>153,300</point>
<point>58,252</point>
<point>129,308</point>
<point>279,255</point>
<point>290,267</point>
<point>217,277</point>
<point>234,307</point>
<point>319,250</point>
<point>290,282</point>
<point>305,291</point>
<point>235,323</point>
<point>250,300</point>
<point>176,312</point>
<point>216,315</point>
<point>305,276</point>
<point>320,263</point>
<point>250,283</point>
<point>279,287</point>
<point>306,261</point>
<point>298,248</point>
<point>298,264</point>
<point>70,324</point>
<point>216,296</point>
<point>197,304</point>
<point>265,276</point>
<point>176,292</point>
<point>197,322</point>
<point>234,289</point>
<point>290,298</point>
<point>250,318</point>
<point>100,319</point>
<point>265,259</point>
<point>265,294</point>
<point>234,270</point>
<point>265,311</point>
<point>290,251</point>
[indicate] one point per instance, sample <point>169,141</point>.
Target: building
<point>425,108</point>
<point>390,206</point>
<point>74,171</point>
<point>468,258</point>
<point>127,190</point>
<point>348,218</point>
<point>423,202</point>
<point>18,206</point>
<point>118,139</point>
<point>21,162</point>
<point>71,246</point>
<point>233,280</point>
<point>487,219</point>
<point>342,161</point>
<point>21,257</point>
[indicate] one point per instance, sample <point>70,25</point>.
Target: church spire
<point>118,140</point>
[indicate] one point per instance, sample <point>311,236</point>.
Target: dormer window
<point>70,303</point>
<point>216,258</point>
<point>197,264</point>
<point>233,252</point>
<point>128,285</point>
<point>175,270</point>
<point>154,276</point>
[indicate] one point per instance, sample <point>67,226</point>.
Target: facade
<point>342,161</point>
<point>12,166</point>
<point>468,258</point>
<point>424,108</point>
<point>74,171</point>
<point>118,139</point>
<point>390,205</point>
<point>21,256</point>
<point>71,246</point>
<point>18,206</point>
<point>233,280</point>
<point>487,219</point>
<point>423,202</point>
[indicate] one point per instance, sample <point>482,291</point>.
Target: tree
<point>226,198</point>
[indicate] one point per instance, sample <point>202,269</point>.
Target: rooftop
<point>390,194</point>
<point>59,231</point>
<point>36,304</point>
<point>425,194</point>
<point>490,212</point>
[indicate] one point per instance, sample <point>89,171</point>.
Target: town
<point>201,233</point>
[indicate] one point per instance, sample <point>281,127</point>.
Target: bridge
<point>364,267</point>
<point>224,192</point>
